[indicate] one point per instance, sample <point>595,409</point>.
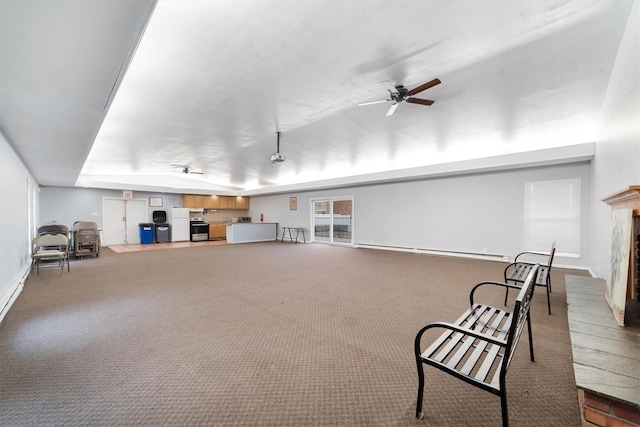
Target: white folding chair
<point>50,247</point>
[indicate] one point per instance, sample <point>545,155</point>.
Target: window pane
<point>342,226</point>
<point>321,220</point>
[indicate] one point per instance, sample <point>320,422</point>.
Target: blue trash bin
<point>146,232</point>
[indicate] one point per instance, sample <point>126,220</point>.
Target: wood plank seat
<point>518,270</point>
<point>478,347</point>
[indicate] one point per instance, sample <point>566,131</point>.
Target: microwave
<point>244,219</point>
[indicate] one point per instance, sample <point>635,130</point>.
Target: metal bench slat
<point>541,279</point>
<point>462,351</point>
<point>473,358</point>
<point>468,316</point>
<point>495,381</point>
<point>495,325</point>
<point>480,326</point>
<point>496,377</point>
<point>520,272</point>
<point>489,361</point>
<point>474,318</point>
<point>502,332</point>
<point>442,354</point>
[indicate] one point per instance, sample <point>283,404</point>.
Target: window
<point>552,213</point>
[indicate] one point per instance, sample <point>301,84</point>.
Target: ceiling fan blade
<point>390,87</point>
<point>373,102</point>
<point>392,109</point>
<point>420,101</point>
<point>185,170</point>
<point>425,86</point>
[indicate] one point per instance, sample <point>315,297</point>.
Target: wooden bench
<point>478,347</point>
<point>518,270</point>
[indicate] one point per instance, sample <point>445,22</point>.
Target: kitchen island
<point>245,232</point>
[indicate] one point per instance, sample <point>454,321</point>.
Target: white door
<point>136,212</point>
<point>113,221</point>
<point>120,219</point>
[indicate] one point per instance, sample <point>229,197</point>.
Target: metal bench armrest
<point>500,284</point>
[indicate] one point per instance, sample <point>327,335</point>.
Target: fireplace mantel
<point>627,198</point>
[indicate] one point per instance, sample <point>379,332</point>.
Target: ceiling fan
<point>277,157</point>
<point>185,170</point>
<point>400,93</point>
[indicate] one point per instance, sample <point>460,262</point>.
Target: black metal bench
<point>478,347</point>
<point>518,270</point>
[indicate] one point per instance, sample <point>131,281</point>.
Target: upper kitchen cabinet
<point>193,201</point>
<point>242,202</point>
<point>212,202</point>
<point>225,202</point>
<point>197,201</point>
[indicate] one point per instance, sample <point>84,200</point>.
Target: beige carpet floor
<point>265,334</point>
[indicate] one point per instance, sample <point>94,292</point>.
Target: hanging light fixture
<point>277,157</point>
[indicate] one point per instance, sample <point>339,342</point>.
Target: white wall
<point>17,186</point>
<point>468,213</point>
<point>66,205</point>
<point>617,160</point>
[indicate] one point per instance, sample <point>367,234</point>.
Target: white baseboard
<point>11,294</point>
<point>488,257</point>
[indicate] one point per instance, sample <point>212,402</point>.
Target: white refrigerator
<point>179,224</point>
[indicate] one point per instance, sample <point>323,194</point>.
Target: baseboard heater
<point>11,294</point>
<point>489,257</point>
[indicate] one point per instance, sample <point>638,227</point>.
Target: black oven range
<point>199,230</point>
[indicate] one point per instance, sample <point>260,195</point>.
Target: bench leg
<point>530,337</point>
<point>505,412</point>
<point>548,300</point>
<point>419,413</point>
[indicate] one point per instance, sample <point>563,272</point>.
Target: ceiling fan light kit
<point>400,93</point>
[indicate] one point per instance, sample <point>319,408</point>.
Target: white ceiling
<point>212,81</point>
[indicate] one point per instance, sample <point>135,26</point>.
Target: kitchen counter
<point>245,232</point>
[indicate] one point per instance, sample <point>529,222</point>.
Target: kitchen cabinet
<point>194,201</point>
<point>242,202</point>
<point>224,202</point>
<point>198,201</point>
<point>217,231</point>
<point>212,202</point>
